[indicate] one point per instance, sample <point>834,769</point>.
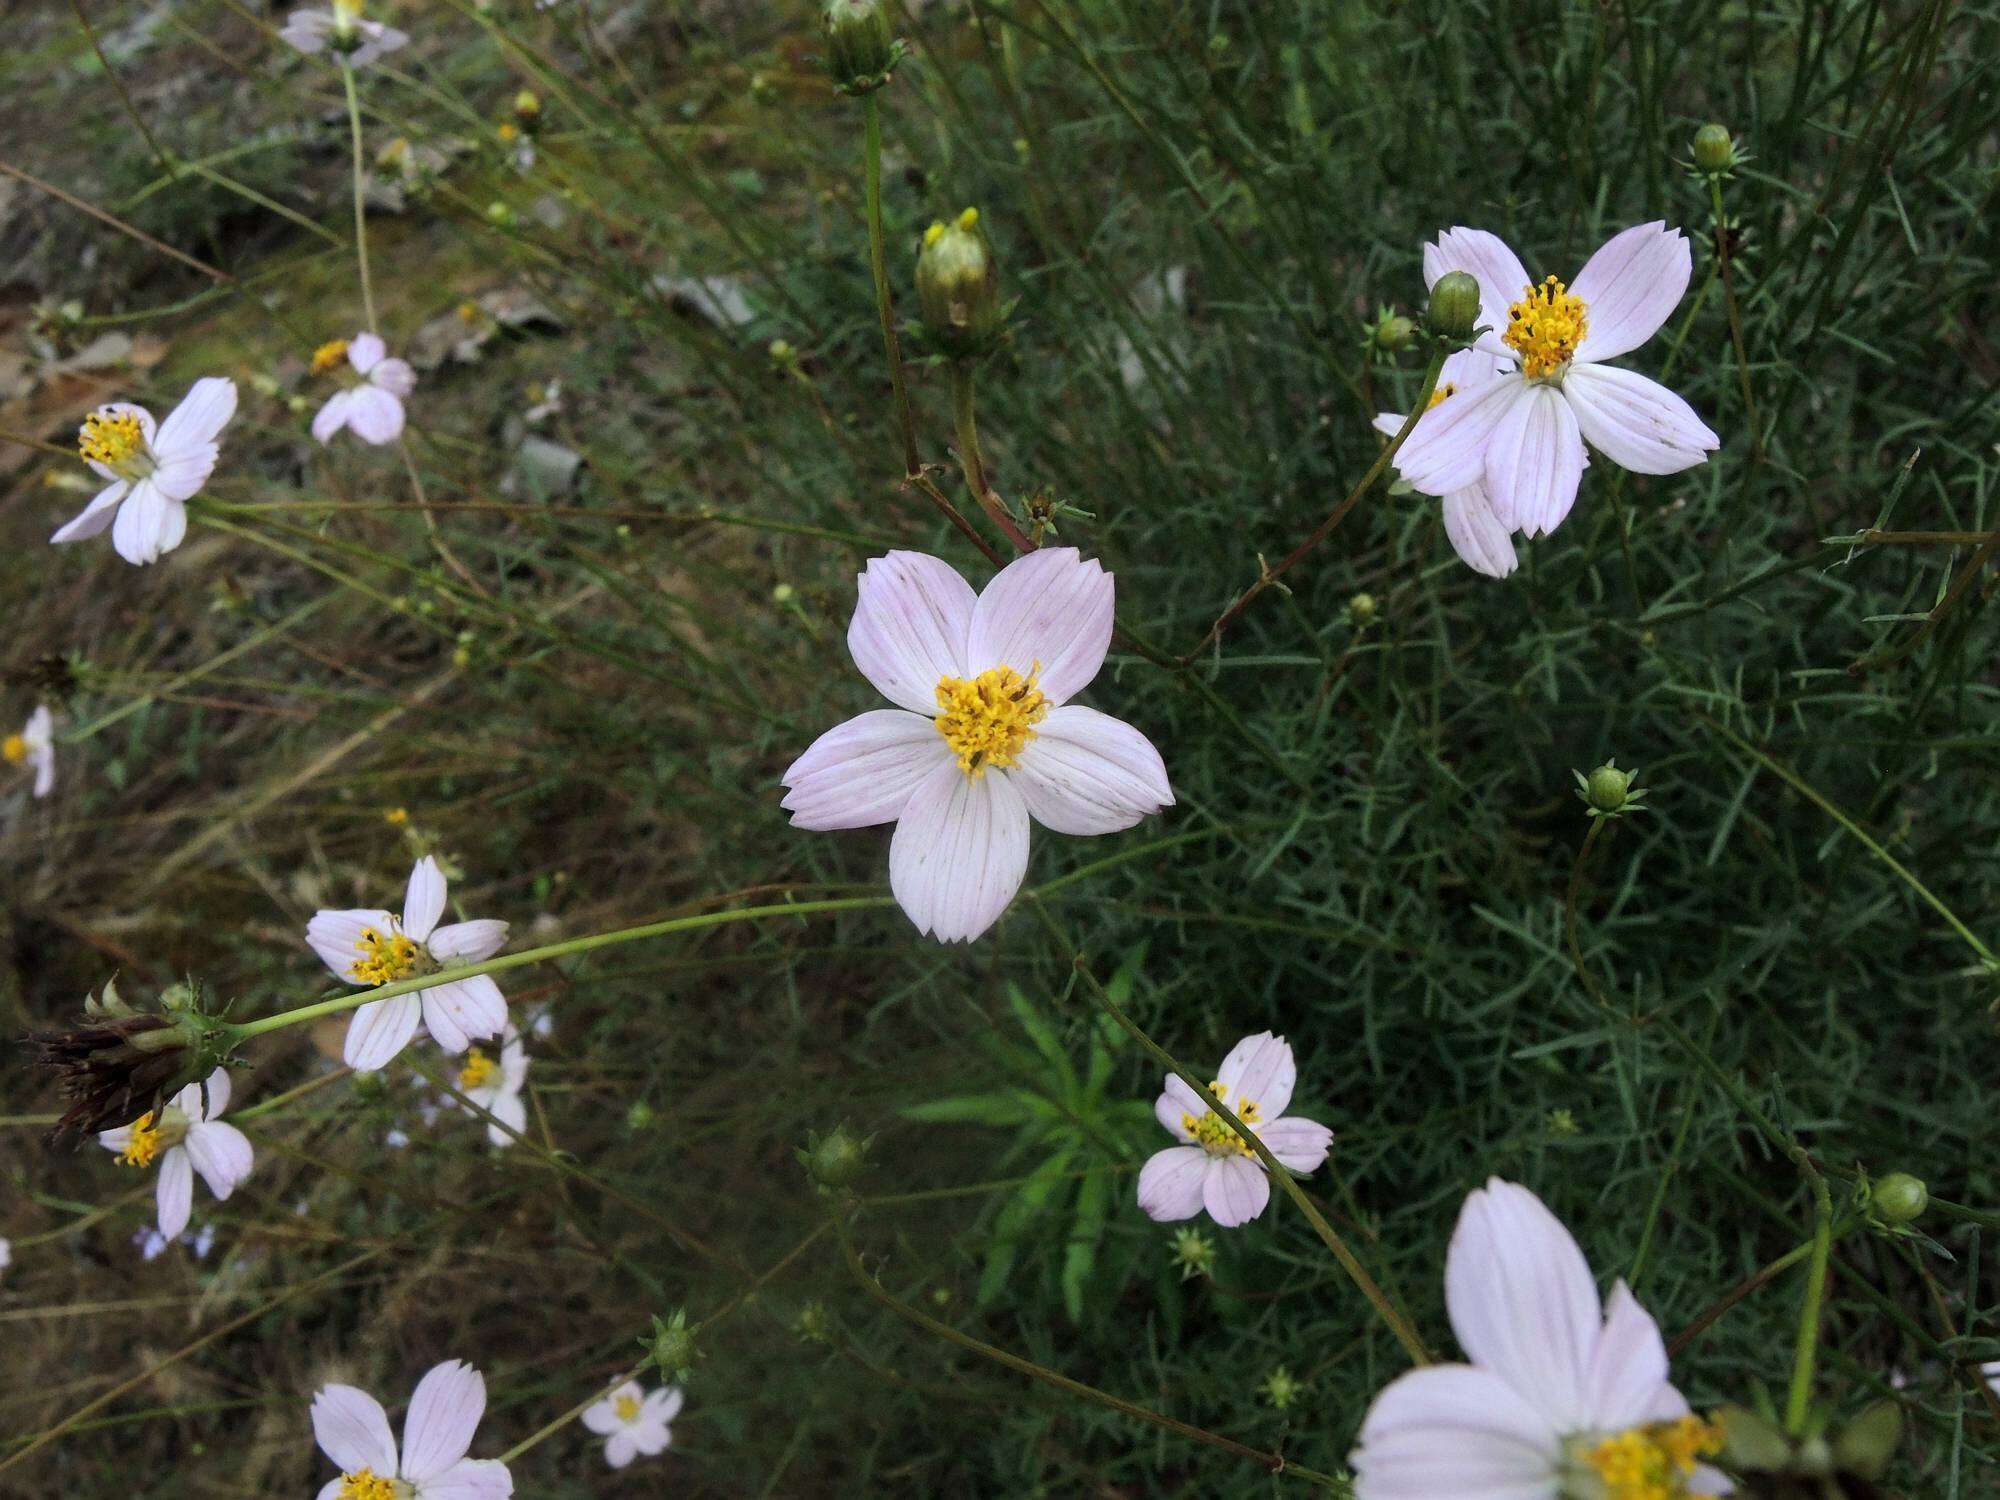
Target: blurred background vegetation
<point>583,670</point>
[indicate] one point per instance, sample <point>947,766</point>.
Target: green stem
<point>871,115</point>
<point>1735,320</point>
<point>1799,1404</point>
<point>360,208</point>
<point>243,1031</point>
<point>966,426</point>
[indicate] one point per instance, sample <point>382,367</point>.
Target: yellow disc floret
<point>1214,1134</point>
<point>988,720</point>
<point>1653,1463</point>
<point>112,438</point>
<point>1438,395</point>
<point>384,957</point>
<point>477,1072</point>
<point>626,1406</point>
<point>143,1144</point>
<point>366,1484</point>
<point>1545,327</point>
<point>327,355</point>
<point>14,749</point>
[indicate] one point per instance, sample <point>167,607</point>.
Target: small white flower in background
<point>152,1244</point>
<point>1522,435</point>
<point>633,1422</point>
<point>1475,532</point>
<point>495,1084</point>
<point>345,30</point>
<point>1216,1169</point>
<point>153,471</point>
<point>353,1431</point>
<point>34,747</point>
<point>1564,1396</point>
<point>188,1136</point>
<point>369,946</point>
<point>982,738</point>
<point>372,408</point>
<point>6,1254</point>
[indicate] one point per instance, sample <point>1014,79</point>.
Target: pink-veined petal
<point>423,899</point>
<point>1086,773</point>
<point>204,411</point>
<point>1049,610</point>
<point>1635,422</point>
<point>332,416</point>
<point>94,517</point>
<point>469,1479</point>
<point>1447,449</point>
<point>1299,1143</point>
<point>1630,287</point>
<point>1534,462</point>
<point>353,1430</point>
<point>374,416</point>
<point>176,1190</point>
<point>460,1011</point>
<point>862,772</point>
<point>1177,1099</point>
<point>912,613</point>
<point>1458,1432</point>
<point>444,1413</point>
<point>467,942</point>
<point>959,852</point>
<point>1498,270</point>
<point>148,525</point>
<point>181,477</point>
<point>336,936</point>
<point>380,1029</point>
<point>1476,534</point>
<point>1259,1068</point>
<point>1235,1190</point>
<point>221,1153</point>
<point>1628,1369</point>
<point>1170,1184</point>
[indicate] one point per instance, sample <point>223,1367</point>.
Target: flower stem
<point>966,425</point>
<point>1735,320</point>
<point>871,115</point>
<point>1799,1403</point>
<point>360,209</point>
<point>243,1031</point>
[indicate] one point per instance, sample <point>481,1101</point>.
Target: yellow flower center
<point>116,440</point>
<point>144,1143</point>
<point>507,130</point>
<point>14,749</point>
<point>327,355</point>
<point>1653,1463</point>
<point>477,1072</point>
<point>627,1408</point>
<point>366,1484</point>
<point>1545,327</point>
<point>383,957</point>
<point>1213,1134</point>
<point>1447,389</point>
<point>988,720</point>
<point>396,817</point>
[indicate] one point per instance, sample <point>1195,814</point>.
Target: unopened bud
<point>834,1161</point>
<point>527,104</point>
<point>1361,609</point>
<point>861,49</point>
<point>1899,1198</point>
<point>1393,334</point>
<point>1454,309</point>
<point>1714,150</point>
<point>672,1346</point>
<point>958,289</point>
<point>1609,792</point>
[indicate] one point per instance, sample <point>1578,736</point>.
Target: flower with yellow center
<point>370,401</point>
<point>153,471</point>
<point>351,35</point>
<point>1546,328</point>
<point>383,957</point>
<point>626,1405</point>
<point>114,438</point>
<point>366,1484</point>
<point>633,1421</point>
<point>34,747</point>
<point>329,355</point>
<point>989,720</point>
<point>478,1070</point>
<point>14,749</point>
<point>495,1083</point>
<point>185,1137</point>
<point>353,1431</point>
<point>1655,1462</point>
<point>143,1144</point>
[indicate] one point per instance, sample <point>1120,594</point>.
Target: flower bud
<point>861,47</point>
<point>527,104</point>
<point>1714,151</point>
<point>1393,334</point>
<point>671,1346</point>
<point>834,1161</point>
<point>1609,792</point>
<point>957,288</point>
<point>1866,1444</point>
<point>1899,1198</point>
<point>1361,609</point>
<point>1454,309</point>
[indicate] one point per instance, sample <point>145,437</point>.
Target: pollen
<point>383,958</point>
<point>627,1408</point>
<point>1654,1463</point>
<point>988,720</point>
<point>477,1072</point>
<point>14,749</point>
<point>144,1143</point>
<point>1438,395</point>
<point>1545,327</point>
<point>327,355</point>
<point>365,1484</point>
<point>1213,1134</point>
<point>111,438</point>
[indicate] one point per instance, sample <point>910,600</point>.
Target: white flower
<point>1475,532</point>
<point>153,472</point>
<point>1523,434</point>
<point>1215,1169</point>
<point>982,737</point>
<point>495,1085</point>
<point>368,946</point>
<point>345,30</point>
<point>353,1431</point>
<point>6,1253</point>
<point>634,1422</point>
<point>187,1137</point>
<point>373,408</point>
<point>35,747</point>
<point>1563,1394</point>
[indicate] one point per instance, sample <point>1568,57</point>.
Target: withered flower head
<point>117,1063</point>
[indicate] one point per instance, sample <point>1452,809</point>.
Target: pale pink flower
<point>633,1422</point>
<point>153,471</point>
<point>1523,434</point>
<point>983,736</point>
<point>353,1431</point>
<point>372,408</point>
<point>35,747</point>
<point>188,1136</point>
<point>1561,1389</point>
<point>1215,1169</point>
<point>371,946</point>
<point>495,1085</point>
<point>344,29</point>
<point>1474,531</point>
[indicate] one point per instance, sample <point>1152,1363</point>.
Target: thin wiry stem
<point>360,202</point>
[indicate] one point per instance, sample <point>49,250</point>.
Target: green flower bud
<point>861,49</point>
<point>1454,309</point>
<point>1750,1441</point>
<point>834,1161</point>
<point>1361,609</point>
<point>814,1324</point>
<point>672,1346</point>
<point>1281,1388</point>
<point>958,289</point>
<point>1609,792</point>
<point>1866,1444</point>
<point>1899,1198</point>
<point>1714,151</point>
<point>1194,1253</point>
<point>1394,334</point>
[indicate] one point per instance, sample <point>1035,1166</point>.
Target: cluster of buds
<point>118,1063</point>
<point>862,50</point>
<point>958,289</point>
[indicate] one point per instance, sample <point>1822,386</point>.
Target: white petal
<point>1085,772</point>
<point>664,1404</point>
<point>469,1479</point>
<point>1630,287</point>
<point>380,1029</point>
<point>308,30</point>
<point>423,899</point>
<point>336,936</point>
<point>1522,1300</point>
<point>464,1010</point>
<point>1235,1190</point>
<point>959,853</point>
<point>1498,270</point>
<point>353,1430</point>
<point>94,517</point>
<point>1637,423</point>
<point>1049,610</point>
<point>365,351</point>
<point>467,942</point>
<point>1447,449</point>
<point>911,617</point>
<point>444,1413</point>
<point>394,376</point>
<point>619,1449</point>
<point>148,525</point>
<point>1170,1184</point>
<point>204,411</point>
<point>1299,1143</point>
<point>1628,1370</point>
<point>176,1191</point>
<point>862,772</point>
<point>1451,1432</point>
<point>603,1417</point>
<point>1259,1068</point>
<point>510,1110</point>
<point>374,416</point>
<point>181,477</point>
<point>1534,462</point>
<point>1476,534</point>
<point>221,1153</point>
<point>649,1436</point>
<point>332,416</point>
<point>1177,1099</point>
